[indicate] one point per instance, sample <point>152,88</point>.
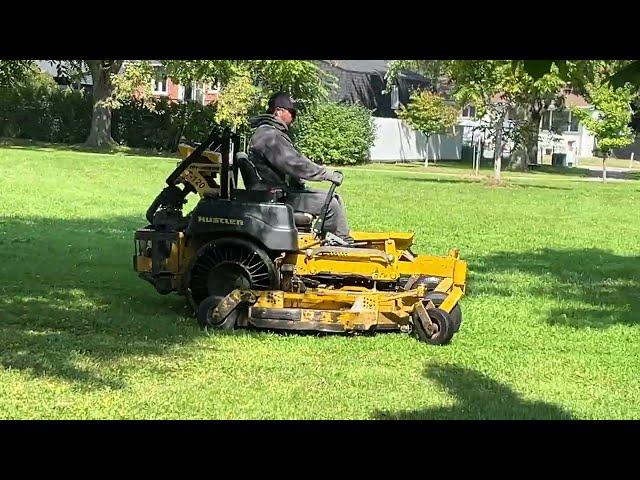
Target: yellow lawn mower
<point>244,258</point>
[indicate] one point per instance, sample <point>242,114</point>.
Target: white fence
<point>396,141</point>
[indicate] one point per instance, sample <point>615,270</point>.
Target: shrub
<point>336,134</point>
<point>49,114</point>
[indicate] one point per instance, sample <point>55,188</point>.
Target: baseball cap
<point>282,100</point>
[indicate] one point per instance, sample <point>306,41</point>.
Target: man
<point>280,165</point>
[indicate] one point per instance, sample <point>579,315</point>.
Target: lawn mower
<point>243,258</point>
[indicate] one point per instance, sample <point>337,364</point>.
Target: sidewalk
<point>613,173</point>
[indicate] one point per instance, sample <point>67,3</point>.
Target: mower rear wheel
<point>456,312</point>
<point>442,320</point>
<point>226,264</point>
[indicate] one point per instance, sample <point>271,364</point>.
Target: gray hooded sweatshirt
<point>275,157</point>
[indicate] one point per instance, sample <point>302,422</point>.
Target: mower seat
<point>250,177</point>
<point>253,182</point>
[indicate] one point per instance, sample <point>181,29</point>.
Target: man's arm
<point>282,155</point>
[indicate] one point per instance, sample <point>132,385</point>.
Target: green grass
<point>551,327</point>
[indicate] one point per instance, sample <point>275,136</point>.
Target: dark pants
<point>311,201</point>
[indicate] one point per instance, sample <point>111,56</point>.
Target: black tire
<point>445,332</point>
<point>224,264</point>
<point>204,314</point>
<point>456,312</point>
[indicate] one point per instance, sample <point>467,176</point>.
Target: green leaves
<point>237,97</point>
<point>628,74</point>
<point>535,68</point>
<point>135,81</point>
<point>427,112</point>
<point>610,122</point>
<point>246,85</point>
<point>13,72</point>
<point>336,134</point>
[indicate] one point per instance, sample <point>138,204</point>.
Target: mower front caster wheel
<point>205,309</point>
<point>456,313</point>
<point>444,327</point>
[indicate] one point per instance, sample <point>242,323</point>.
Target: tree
<point>432,70</point>
<point>428,113</point>
<point>102,73</point>
<point>620,72</point>
<point>479,82</point>
<point>532,96</point>
<point>610,121</point>
<point>15,71</point>
<point>110,87</point>
<point>245,85</point>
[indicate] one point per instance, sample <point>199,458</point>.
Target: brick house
<point>162,86</point>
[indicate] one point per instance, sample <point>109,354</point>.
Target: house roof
<point>364,82</point>
<point>379,67</point>
<point>573,100</point>
<point>50,67</point>
<point>570,99</point>
<point>361,66</point>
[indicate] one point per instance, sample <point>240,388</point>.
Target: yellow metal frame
<point>353,308</point>
<point>386,258</point>
<point>195,173</point>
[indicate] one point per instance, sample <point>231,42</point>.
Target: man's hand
<point>336,178</point>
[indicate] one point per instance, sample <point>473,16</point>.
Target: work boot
<point>343,241</point>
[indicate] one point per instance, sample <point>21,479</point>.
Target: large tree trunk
<point>101,71</point>
<point>531,147</point>
<point>604,169</point>
<point>497,154</point>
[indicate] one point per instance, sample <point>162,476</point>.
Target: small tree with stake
<point>610,124</point>
<point>428,113</point>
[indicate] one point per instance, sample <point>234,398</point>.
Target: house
<point>560,130</point>
<point>55,71</point>
<point>164,86</point>
<point>161,85</point>
<point>364,82</point>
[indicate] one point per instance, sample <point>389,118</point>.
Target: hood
<point>268,119</point>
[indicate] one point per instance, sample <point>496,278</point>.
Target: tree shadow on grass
<point>70,300</point>
<point>477,397</point>
<point>603,288</point>
<point>36,146</point>
<point>558,170</point>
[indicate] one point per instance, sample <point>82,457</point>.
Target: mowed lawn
<point>551,327</point>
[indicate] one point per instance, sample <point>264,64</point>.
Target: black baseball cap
<point>282,100</point>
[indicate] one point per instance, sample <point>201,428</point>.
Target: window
<point>546,120</point>
<point>560,121</point>
<point>469,111</point>
<point>160,84</point>
<point>574,123</point>
<point>395,98</point>
<point>199,92</point>
<point>194,92</point>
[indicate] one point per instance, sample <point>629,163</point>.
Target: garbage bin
<point>559,159</point>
